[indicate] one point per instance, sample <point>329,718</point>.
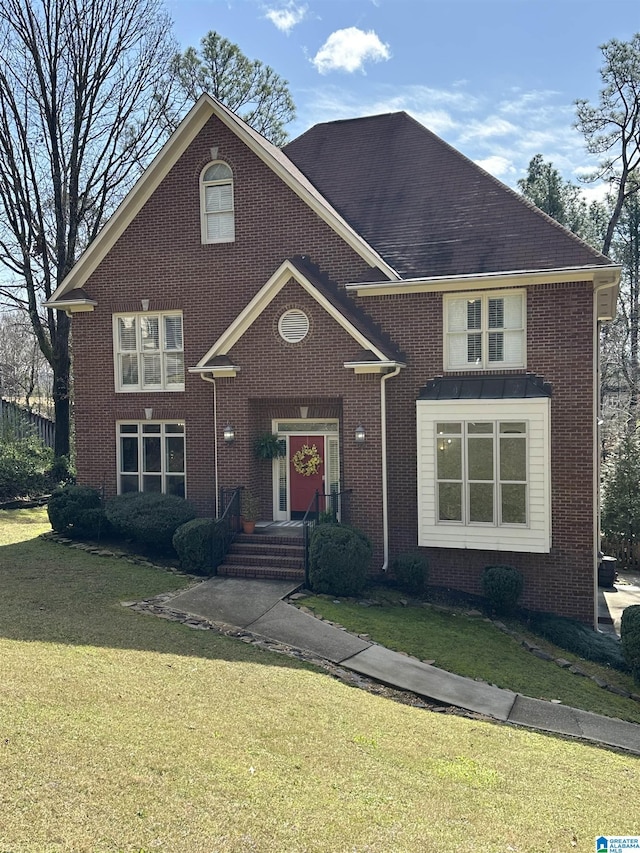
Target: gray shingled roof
<point>425,207</point>
<point>347,307</point>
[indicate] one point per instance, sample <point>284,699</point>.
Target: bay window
<point>482,472</point>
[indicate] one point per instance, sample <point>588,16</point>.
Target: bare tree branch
<point>612,128</point>
<point>84,86</point>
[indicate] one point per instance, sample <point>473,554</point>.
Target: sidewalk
<point>613,600</point>
<point>257,606</point>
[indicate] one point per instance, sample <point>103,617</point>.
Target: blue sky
<point>497,79</point>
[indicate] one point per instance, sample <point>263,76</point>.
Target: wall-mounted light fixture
<point>229,434</point>
<point>360,435</point>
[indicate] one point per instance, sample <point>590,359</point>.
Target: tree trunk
<point>61,364</point>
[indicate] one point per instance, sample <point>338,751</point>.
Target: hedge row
<point>163,524</point>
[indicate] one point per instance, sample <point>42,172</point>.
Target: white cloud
<point>500,139</point>
<point>499,167</point>
<point>286,17</point>
<point>432,107</point>
<point>349,49</point>
<point>487,128</point>
<point>595,192</point>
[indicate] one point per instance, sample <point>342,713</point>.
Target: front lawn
<point>475,648</point>
<point>124,732</point>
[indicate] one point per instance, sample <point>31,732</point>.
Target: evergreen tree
<point>248,87</point>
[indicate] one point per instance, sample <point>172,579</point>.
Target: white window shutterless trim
<point>148,351</point>
<point>151,457</point>
<point>485,331</point>
<point>471,492</point>
<point>217,216</point>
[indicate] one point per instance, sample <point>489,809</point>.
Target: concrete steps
<point>266,557</point>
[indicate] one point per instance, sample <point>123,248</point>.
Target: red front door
<point>306,472</point>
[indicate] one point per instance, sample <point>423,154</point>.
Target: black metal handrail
<point>335,504</point>
<point>228,524</point>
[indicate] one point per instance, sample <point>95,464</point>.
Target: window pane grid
<point>481,473</point>
<point>151,458</point>
<point>150,352</point>
<point>485,331</point>
<point>217,205</point>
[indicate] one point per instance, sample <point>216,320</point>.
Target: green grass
<point>124,732</point>
<point>475,648</point>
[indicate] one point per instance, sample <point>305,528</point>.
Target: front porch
<point>272,552</point>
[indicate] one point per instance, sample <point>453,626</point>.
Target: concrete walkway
<point>613,600</point>
<point>258,607</point>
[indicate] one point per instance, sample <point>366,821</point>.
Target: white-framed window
<point>484,331</point>
<point>216,204</point>
<point>151,457</point>
<point>481,472</point>
<point>484,474</point>
<point>149,351</point>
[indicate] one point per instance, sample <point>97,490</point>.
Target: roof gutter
<point>602,275</point>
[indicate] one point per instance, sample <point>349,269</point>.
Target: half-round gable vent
<point>293,326</point>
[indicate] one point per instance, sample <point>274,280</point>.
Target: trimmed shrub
<point>411,572</point>
<point>24,463</point>
<point>630,638</point>
<point>339,558</point>
<point>201,545</point>
<point>580,639</point>
<point>76,511</point>
<point>61,472</point>
<point>502,587</point>
<point>149,519</point>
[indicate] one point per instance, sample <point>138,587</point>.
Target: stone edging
<point>157,606</point>
<point>160,607</point>
<point>529,646</point>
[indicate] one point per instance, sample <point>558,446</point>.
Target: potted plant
<point>250,509</point>
<point>268,446</point>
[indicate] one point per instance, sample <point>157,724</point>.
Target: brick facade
<point>159,257</point>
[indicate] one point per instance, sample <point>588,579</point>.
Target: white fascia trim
<point>166,158</point>
<point>71,306</point>
<point>263,297</point>
<point>135,199</point>
<point>606,299</point>
<point>218,372</point>
<point>601,276</point>
<point>373,366</point>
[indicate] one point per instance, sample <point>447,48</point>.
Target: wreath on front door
<point>307,460</point>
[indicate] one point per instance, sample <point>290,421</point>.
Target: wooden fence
<point>626,552</point>
<point>23,423</point>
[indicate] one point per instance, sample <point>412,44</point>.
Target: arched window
<point>216,204</point>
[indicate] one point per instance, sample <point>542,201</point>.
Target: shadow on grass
<point>54,594</point>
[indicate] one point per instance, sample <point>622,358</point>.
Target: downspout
<point>215,439</point>
<point>596,449</point>
<point>383,441</point>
